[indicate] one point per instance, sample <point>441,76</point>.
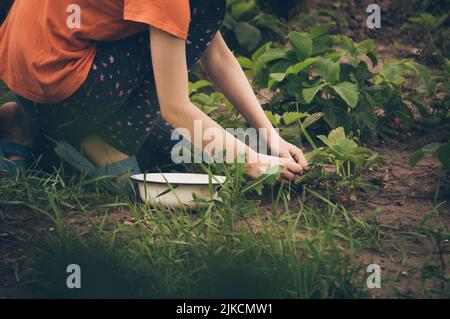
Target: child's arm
<point>171,77</point>
<point>224,69</point>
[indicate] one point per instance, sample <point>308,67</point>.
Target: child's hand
<point>290,151</point>
<point>290,171</point>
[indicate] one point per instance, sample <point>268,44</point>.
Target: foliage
<point>431,6</point>
<point>435,35</point>
<point>331,74</point>
<point>213,103</point>
<point>293,125</point>
<point>340,163</point>
<point>246,27</point>
<point>442,151</point>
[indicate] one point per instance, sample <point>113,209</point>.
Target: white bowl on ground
<point>175,190</point>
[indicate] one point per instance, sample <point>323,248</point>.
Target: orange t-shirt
<point>47,46</point>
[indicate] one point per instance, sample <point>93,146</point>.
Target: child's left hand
<point>288,150</point>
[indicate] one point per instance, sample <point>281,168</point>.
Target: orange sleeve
<point>172,16</point>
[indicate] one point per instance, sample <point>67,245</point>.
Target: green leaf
<point>444,156</point>
<point>299,67</point>
<point>270,22</point>
<point>427,150</point>
<point>320,30</point>
<point>310,93</point>
<point>336,136</point>
<point>348,92</point>
<point>393,72</point>
<point>202,99</point>
<point>194,87</point>
<point>369,47</point>
<point>429,21</point>
<point>261,51</point>
<point>336,116</point>
<point>345,147</point>
<point>278,77</point>
<point>328,70</point>
<point>416,157</point>
<point>247,35</point>
<point>272,55</point>
<point>311,119</point>
<point>269,177</point>
<point>239,10</point>
<point>292,117</point>
<point>245,63</point>
<point>345,43</point>
<point>267,57</point>
<point>424,74</point>
<point>303,44</point>
<point>273,118</point>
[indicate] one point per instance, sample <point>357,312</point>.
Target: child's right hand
<point>290,171</point>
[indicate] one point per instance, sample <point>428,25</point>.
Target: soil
<point>406,197</point>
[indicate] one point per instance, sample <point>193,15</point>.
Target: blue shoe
<point>124,168</point>
<point>13,149</point>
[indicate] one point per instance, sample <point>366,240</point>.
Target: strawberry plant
<point>333,75</point>
<point>203,95</point>
<point>318,77</point>
<point>340,162</point>
<point>406,99</point>
<point>434,33</point>
<point>293,125</point>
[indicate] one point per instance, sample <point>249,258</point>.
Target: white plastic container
<point>175,190</point>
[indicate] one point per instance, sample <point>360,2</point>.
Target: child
<point>110,77</point>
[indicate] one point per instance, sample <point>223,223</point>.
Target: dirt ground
<point>406,197</point>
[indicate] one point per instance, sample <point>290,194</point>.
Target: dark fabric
<point>4,9</point>
<point>118,101</point>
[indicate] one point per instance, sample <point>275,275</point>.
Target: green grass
<point>235,248</point>
<point>5,94</point>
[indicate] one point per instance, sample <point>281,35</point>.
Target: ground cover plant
<point>374,126</point>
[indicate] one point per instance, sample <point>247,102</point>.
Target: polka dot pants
<point>118,100</point>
